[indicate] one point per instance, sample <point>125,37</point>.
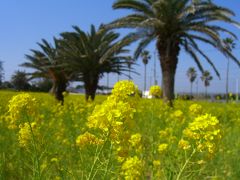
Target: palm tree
<point>175,25</point>
<point>230,45</point>
<point>145,58</point>
<point>206,78</point>
<point>48,63</point>
<point>88,55</point>
<point>192,75</point>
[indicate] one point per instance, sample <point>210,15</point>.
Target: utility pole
<point>227,79</point>
<point>229,45</point>
<point>154,69</point>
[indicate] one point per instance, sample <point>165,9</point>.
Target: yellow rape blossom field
<point>121,136</point>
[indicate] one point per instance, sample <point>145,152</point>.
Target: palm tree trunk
<point>58,89</point>
<point>168,59</point>
<point>90,85</point>
<point>191,89</point>
<point>205,92</point>
<point>129,74</point>
<point>168,84</point>
<point>145,78</point>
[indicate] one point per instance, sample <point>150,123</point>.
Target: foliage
<point>206,78</point>
<point>145,57</point>
<point>48,63</point>
<point>19,81</point>
<point>192,74</point>
<point>42,85</point>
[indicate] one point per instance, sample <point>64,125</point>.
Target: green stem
<point>109,159</point>
<point>95,160</point>
<point>35,152</point>
<point>185,164</point>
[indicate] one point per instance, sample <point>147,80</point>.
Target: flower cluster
<point>204,132</point>
<point>132,168</point>
<point>183,144</point>
<point>20,105</point>
<point>26,133</point>
<point>195,109</point>
<point>155,91</point>
<point>116,113</point>
<point>113,122</point>
<point>123,89</point>
<point>88,139</point>
<point>135,139</point>
<point>111,116</point>
<point>162,147</point>
<point>178,116</point>
<point>22,108</point>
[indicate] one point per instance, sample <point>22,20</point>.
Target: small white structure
<point>146,94</point>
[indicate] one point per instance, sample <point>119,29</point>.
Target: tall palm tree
<point>145,58</point>
<point>48,63</point>
<point>192,75</point>
<point>175,25</point>
<point>206,78</point>
<point>88,55</point>
<point>230,45</point>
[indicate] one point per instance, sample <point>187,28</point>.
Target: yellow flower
<point>165,133</point>
<point>162,147</point>
<point>155,91</point>
<point>178,114</point>
<point>183,144</point>
<point>44,165</point>
<point>135,139</point>
<point>124,89</point>
<point>22,103</point>
<point>25,134</point>
<point>204,131</point>
<point>195,109</point>
<point>116,113</point>
<point>201,162</point>
<point>132,168</point>
<point>88,139</point>
<point>54,160</point>
<point>156,163</point>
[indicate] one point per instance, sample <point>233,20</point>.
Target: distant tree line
<point>20,82</point>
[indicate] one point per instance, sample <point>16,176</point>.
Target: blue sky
<point>25,22</point>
